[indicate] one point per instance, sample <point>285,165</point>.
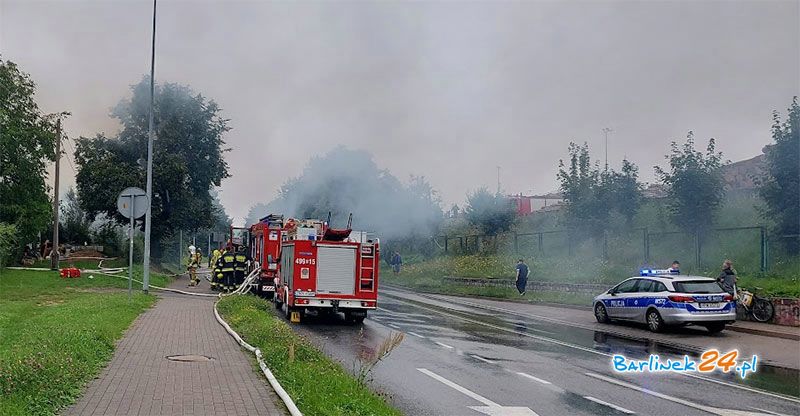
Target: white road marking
<point>534,378</point>
<point>709,409</point>
<point>578,347</point>
<point>455,386</point>
<point>449,347</point>
<point>415,334</point>
<point>768,412</point>
<point>491,407</point>
<point>478,357</point>
<point>613,406</point>
<point>393,326</point>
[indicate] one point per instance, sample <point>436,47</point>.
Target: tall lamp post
<point>150,134</point>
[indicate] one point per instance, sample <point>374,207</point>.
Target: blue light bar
<point>655,272</point>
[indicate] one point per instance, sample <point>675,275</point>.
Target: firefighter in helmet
<point>226,265</point>
<point>240,268</point>
<point>215,272</point>
<point>192,264</point>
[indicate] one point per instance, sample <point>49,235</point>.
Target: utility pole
<point>150,134</point>
<point>498,180</point>
<point>54,253</point>
<point>607,130</point>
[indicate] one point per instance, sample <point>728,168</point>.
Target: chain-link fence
<point>749,247</point>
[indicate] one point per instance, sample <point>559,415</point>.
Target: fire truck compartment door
<point>336,269</point>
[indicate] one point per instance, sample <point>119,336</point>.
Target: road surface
<point>471,357</point>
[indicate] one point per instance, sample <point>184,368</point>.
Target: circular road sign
<point>134,196</point>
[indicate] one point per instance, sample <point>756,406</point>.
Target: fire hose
<point>242,289</point>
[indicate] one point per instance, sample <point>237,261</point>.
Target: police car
<point>661,298</point>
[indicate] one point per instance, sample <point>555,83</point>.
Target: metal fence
<point>749,246</point>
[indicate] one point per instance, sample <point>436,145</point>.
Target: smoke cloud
<point>347,181</point>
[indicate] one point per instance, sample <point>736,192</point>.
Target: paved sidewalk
<point>139,380</point>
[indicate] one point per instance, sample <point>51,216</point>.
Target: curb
<point>763,332</point>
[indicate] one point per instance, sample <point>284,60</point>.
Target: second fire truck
<point>307,265</point>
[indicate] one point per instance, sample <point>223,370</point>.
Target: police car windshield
<point>700,286</point>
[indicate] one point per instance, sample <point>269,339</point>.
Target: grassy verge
<point>57,334</point>
<point>431,284</point>
<point>317,384</point>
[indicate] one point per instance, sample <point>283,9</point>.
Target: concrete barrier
<point>582,288</point>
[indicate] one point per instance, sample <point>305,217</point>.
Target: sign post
<point>132,203</point>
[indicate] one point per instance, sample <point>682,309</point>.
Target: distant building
<point>529,204</point>
<point>742,175</point>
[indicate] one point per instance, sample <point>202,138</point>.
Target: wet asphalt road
<point>465,360</point>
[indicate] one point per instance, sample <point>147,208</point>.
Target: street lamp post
<point>150,135</point>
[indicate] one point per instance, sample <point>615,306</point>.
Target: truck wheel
<point>354,319</point>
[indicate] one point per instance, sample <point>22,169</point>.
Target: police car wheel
<point>601,314</point>
<point>654,321</point>
<point>715,327</point>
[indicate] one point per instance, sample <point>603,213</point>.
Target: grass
<point>317,384</point>
<point>57,334</point>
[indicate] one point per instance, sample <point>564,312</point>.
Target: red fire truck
<point>317,267</point>
<point>265,248</point>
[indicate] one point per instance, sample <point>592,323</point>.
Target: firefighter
<point>192,265</point>
<point>227,262</point>
<point>240,268</point>
<point>215,273</point>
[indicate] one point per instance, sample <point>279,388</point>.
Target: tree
<point>694,185</point>
<point>592,196</point>
<point>780,186</point>
<point>625,191</point>
<point>492,214</point>
<point>188,159</point>
<point>74,224</point>
<point>580,185</point>
<point>27,144</point>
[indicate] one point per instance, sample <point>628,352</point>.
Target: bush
<point>8,242</point>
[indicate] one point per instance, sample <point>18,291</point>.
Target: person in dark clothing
<point>727,278</point>
<point>676,266</point>
<point>396,262</point>
<point>522,276</point>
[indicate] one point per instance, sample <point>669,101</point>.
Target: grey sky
<point>448,90</point>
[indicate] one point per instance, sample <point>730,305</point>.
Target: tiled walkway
<point>139,380</point>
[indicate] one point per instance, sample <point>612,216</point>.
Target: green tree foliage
<point>348,181</point>
<point>694,185</point>
<point>492,214</point>
<point>188,159</point>
<point>593,197</point>
<point>27,143</point>
<point>8,242</point>
<point>74,224</point>
<point>780,186</point>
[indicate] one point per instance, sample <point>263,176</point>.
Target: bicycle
<point>760,309</point>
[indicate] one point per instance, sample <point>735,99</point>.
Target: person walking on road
<point>522,276</point>
<point>727,278</point>
<point>396,262</point>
